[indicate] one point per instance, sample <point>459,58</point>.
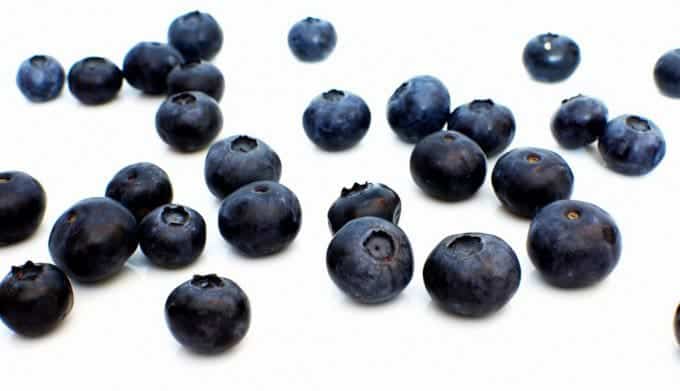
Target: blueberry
<point>448,165</point>
<point>472,274</point>
<point>336,120</point>
<point>238,161</point>
<point>40,78</point>
<point>676,324</point>
<point>172,236</point>
<point>573,243</point>
<point>632,145</point>
<point>189,121</point>
<point>195,76</point>
<point>208,314</point>
<point>140,187</point>
<point>260,218</point>
<point>370,259</point>
<point>196,35</point>
<point>527,179</point>
<point>22,206</point>
<point>369,199</point>
<point>35,298</point>
<point>490,125</point>
<point>95,80</point>
<point>419,106</point>
<point>147,65</point>
<point>551,57</point>
<point>579,121</point>
<point>93,239</point>
<point>312,39</point>
<point>667,73</point>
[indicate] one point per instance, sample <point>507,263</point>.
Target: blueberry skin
<point>667,73</point>
<point>140,187</point>
<point>35,298</point>
<point>490,125</point>
<point>260,218</point>
<point>147,65</point>
<point>172,236</point>
<point>448,166</point>
<point>194,76</point>
<point>22,206</point>
<point>573,244</point>
<point>363,200</point>
<point>208,314</point>
<point>237,161</point>
<point>551,57</point>
<point>527,179</point>
<point>40,78</point>
<point>370,259</point>
<point>312,39</point>
<point>632,145</point>
<point>579,121</point>
<point>676,324</point>
<point>95,80</point>
<point>196,35</point>
<point>93,239</point>
<point>189,121</point>
<point>419,107</point>
<point>336,120</point>
<point>472,274</point>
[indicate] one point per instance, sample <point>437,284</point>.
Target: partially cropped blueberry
<point>189,121</point>
<point>472,274</point>
<point>667,73</point>
<point>261,218</point>
<point>40,78</point>
<point>312,39</point>
<point>336,120</point>
<point>676,324</point>
<point>579,121</point>
<point>95,80</point>
<point>632,145</point>
<point>448,165</point>
<point>370,259</point>
<point>196,35</point>
<point>140,187</point>
<point>196,76</point>
<point>364,200</point>
<point>573,243</point>
<point>237,161</point>
<point>22,206</point>
<point>489,124</point>
<point>147,65</point>
<point>419,107</point>
<point>551,57</point>
<point>527,179</point>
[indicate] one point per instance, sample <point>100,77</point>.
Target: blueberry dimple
<point>551,57</point>
<point>40,78</point>
<point>312,39</point>
<point>632,145</point>
<point>361,200</point>
<point>336,120</point>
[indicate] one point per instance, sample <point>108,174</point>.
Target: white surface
<point>305,334</point>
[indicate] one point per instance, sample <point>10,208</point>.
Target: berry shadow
<point>229,354</point>
<point>539,279</point>
<point>440,311</point>
<point>371,307</point>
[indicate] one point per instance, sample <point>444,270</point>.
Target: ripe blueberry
<point>579,121</point>
<point>336,120</point>
<point>95,80</point>
<point>667,73</point>
<point>189,121</point>
<point>490,125</point>
<point>40,78</point>
<point>632,145</point>
<point>312,39</point>
<point>22,206</point>
<point>551,57</point>
<point>196,76</point>
<point>140,187</point>
<point>369,199</point>
<point>196,35</point>
<point>147,65</point>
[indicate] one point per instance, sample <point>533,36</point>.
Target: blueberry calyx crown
<point>261,189</point>
<point>38,61</point>
<point>4,178</point>
<point>356,188</point>
<point>92,62</point>
<point>243,144</point>
<point>196,14</point>
<point>449,136</point>
<point>71,217</point>
<point>333,95</point>
<point>29,271</point>
<point>207,281</point>
<point>310,19</point>
<point>534,158</point>
<point>572,214</point>
<point>184,98</point>
<point>481,104</point>
<point>466,245</point>
<point>175,215</point>
<point>572,98</point>
<point>380,246</point>
<point>638,123</point>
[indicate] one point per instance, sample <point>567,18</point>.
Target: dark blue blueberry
<point>22,206</point>
<point>237,161</point>
<point>573,243</point>
<point>35,298</point>
<point>667,73</point>
<point>579,121</point>
<point>676,324</point>
<point>312,39</point>
<point>140,187</point>
<point>208,314</point>
<point>147,65</point>
<point>419,106</point>
<point>93,239</point>
<point>260,218</point>
<point>472,274</point>
<point>40,78</point>
<point>551,57</point>
<point>369,199</point>
<point>189,121</point>
<point>490,125</point>
<point>95,80</point>
<point>172,236</point>
<point>527,179</point>
<point>194,76</point>
<point>632,145</point>
<point>196,35</point>
<point>336,120</point>
<point>370,259</point>
<point>448,165</point>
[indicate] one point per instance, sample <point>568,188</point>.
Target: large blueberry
<point>95,80</point>
<point>667,73</point>
<point>196,76</point>
<point>579,121</point>
<point>312,39</point>
<point>490,125</point>
<point>22,206</point>
<point>189,121</point>
<point>140,187</point>
<point>336,120</point>
<point>362,200</point>
<point>40,78</point>
<point>551,57</point>
<point>147,65</point>
<point>196,35</point>
<point>632,145</point>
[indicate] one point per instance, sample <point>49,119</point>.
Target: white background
<point>304,333</point>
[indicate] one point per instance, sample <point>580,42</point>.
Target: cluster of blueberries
<point>572,243</point>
